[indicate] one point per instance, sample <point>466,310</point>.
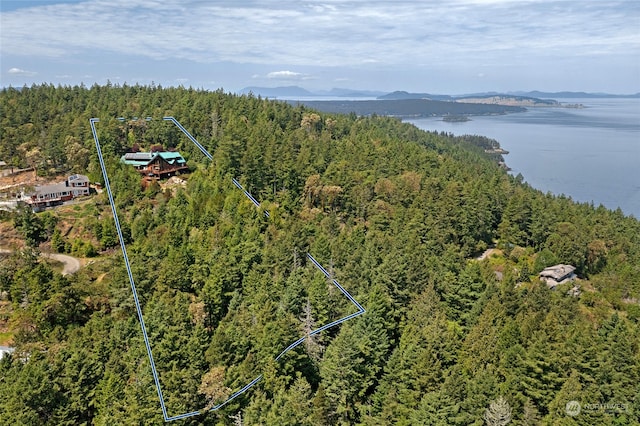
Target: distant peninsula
<point>483,98</point>
<point>455,118</point>
<point>409,108</point>
<point>537,96</point>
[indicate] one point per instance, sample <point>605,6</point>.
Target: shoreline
<point>560,151</point>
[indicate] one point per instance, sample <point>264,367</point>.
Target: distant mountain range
<point>296,91</point>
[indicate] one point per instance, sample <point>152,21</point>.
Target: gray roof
<point>557,272</point>
<point>139,156</point>
<point>52,189</point>
<point>78,177</point>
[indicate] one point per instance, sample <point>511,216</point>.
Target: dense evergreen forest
<point>397,215</point>
<point>410,107</point>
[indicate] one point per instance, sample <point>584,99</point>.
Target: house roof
<point>167,155</point>
<point>139,156</point>
<point>144,158</point>
<point>52,189</point>
<point>557,272</point>
<point>60,186</point>
<point>78,177</point>
<point>2,163</point>
<point>172,157</point>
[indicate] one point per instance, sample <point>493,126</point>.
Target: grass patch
<point>6,338</point>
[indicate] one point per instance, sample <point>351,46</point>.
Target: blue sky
<point>453,46</point>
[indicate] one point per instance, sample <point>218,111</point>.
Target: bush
<point>543,259</point>
<point>633,312</point>
<point>58,243</point>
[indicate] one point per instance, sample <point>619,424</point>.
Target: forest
<point>410,107</point>
<point>397,215</point>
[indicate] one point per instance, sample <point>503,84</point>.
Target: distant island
<point>293,91</point>
<point>409,108</point>
<point>523,101</point>
<point>454,108</point>
<point>484,98</point>
<point>455,118</point>
<point>583,95</point>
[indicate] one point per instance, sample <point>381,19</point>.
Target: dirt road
<point>71,264</point>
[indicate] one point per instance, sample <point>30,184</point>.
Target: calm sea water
<point>590,154</point>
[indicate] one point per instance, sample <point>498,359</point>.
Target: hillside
<point>398,216</point>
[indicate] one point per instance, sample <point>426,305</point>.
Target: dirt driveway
<point>71,264</point>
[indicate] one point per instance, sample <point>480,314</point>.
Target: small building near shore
<point>156,165</point>
<point>558,274</point>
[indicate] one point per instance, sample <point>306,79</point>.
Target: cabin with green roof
<point>156,165</point>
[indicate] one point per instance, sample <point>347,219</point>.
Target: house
<point>57,193</point>
<point>156,165</point>
<point>79,185</point>
<point>558,274</point>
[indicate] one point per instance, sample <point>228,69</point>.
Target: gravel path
<point>71,264</point>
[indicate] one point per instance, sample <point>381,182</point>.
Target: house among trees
<point>156,165</point>
<point>558,274</point>
<point>51,195</point>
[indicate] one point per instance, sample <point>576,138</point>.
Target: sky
<point>440,47</point>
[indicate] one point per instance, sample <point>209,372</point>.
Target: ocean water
<point>590,154</point>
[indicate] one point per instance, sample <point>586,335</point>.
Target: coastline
<point>589,154</point>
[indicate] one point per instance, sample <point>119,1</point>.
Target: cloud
<point>381,35</point>
<point>341,33</point>
<point>21,72</point>
<point>287,75</point>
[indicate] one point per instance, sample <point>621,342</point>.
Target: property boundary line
<point>256,203</point>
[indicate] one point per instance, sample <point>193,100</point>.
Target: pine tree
<point>498,413</point>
